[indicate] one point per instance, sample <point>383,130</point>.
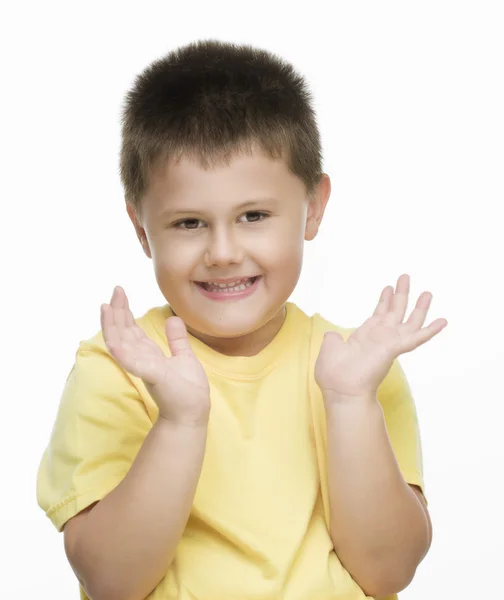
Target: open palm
<point>358,366</point>
<point>178,383</point>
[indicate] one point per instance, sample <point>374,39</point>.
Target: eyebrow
<point>247,203</point>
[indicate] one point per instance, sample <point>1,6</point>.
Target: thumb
<point>331,342</point>
<point>176,334</point>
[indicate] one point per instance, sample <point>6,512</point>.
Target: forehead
<point>245,174</point>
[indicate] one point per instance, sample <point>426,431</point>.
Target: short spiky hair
<point>210,100</point>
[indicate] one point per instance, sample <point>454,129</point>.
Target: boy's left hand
<point>357,367</point>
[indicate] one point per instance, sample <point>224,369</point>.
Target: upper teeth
<point>239,284</point>
<point>230,284</point>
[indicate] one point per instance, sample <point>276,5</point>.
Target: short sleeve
<point>101,423</point>
<point>396,399</point>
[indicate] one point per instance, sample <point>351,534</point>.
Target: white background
<point>410,103</point>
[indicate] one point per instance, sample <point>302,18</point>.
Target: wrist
<point>335,398</point>
<point>341,408</point>
<point>182,422</point>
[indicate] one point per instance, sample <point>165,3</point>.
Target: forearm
<point>130,537</point>
<point>378,526</point>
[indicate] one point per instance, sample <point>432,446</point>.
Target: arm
<point>379,528</point>
<point>122,548</point>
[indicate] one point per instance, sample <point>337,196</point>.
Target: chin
<point>230,329</point>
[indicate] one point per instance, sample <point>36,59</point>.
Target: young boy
<point>222,447</point>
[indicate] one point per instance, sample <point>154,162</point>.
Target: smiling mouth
<point>237,285</point>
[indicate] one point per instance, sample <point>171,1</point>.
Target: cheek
<point>281,261</point>
<point>284,247</point>
<point>174,258</point>
<point>176,253</point>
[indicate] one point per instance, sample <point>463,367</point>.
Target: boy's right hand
<point>178,383</point>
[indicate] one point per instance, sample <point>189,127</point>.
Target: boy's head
<point>221,167</point>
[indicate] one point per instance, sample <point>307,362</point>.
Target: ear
<point>316,207</point>
<point>140,231</point>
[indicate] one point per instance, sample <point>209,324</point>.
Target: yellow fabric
<point>259,523</point>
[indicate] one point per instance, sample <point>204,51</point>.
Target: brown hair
<point>210,100</point>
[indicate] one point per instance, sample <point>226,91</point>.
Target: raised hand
<point>178,383</point>
<point>358,366</point>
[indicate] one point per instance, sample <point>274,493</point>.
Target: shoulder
<point>322,325</point>
<point>319,325</point>
<point>312,329</point>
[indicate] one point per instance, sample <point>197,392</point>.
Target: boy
<point>222,447</point>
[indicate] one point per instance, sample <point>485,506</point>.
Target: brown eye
<point>187,224</point>
<point>254,216</point>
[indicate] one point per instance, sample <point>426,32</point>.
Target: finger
<point>383,303</point>
<point>102,314</point>
<point>118,305</point>
<point>121,297</point>
<point>128,328</point>
<point>176,334</point>
<point>399,300</point>
<point>109,329</point>
<point>113,298</point>
<point>427,333</point>
<point>419,313</point>
<point>129,319</point>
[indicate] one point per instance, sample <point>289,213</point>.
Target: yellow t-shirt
<point>259,525</point>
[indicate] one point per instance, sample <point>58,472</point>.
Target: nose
<point>223,249</point>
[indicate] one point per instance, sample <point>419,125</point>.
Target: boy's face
<point>245,220</point>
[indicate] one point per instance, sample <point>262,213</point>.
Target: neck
<point>246,345</point>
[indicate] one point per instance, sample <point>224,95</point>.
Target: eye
<point>187,224</point>
<point>255,216</point>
